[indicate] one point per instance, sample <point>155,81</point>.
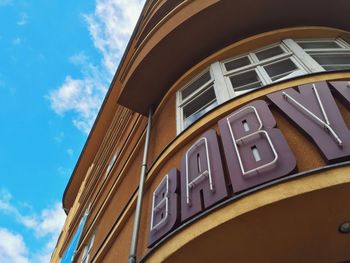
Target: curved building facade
<point>224,137</point>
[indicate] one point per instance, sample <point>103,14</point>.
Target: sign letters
<point>255,151</point>
<point>314,111</point>
<point>165,207</point>
<point>202,176</point>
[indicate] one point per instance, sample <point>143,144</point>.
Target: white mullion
<point>241,69</point>
<point>228,60</point>
<point>262,74</point>
<point>326,50</point>
<point>275,58</point>
<point>202,108</point>
<point>182,103</point>
<point>179,113</point>
<point>265,79</point>
<point>197,92</point>
<point>188,102</point>
<point>343,43</point>
<point>242,88</point>
<point>220,76</point>
<point>266,48</point>
<point>254,58</point>
<point>304,58</point>
<point>285,53</point>
<point>257,62</point>
<point>309,40</point>
<point>221,89</point>
<point>333,52</point>
<point>299,65</point>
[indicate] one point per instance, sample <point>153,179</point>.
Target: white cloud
<point>12,247</point>
<point>7,208</point>
<point>70,152</point>
<point>79,59</point>
<point>50,221</point>
<point>45,225</point>
<point>110,27</point>
<point>49,225</point>
<point>17,41</point>
<point>5,2</point>
<point>64,172</point>
<point>23,19</point>
<point>81,96</point>
<point>59,138</point>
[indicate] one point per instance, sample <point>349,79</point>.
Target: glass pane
<point>333,61</point>
<point>269,53</point>
<point>280,69</point>
<point>85,252</point>
<point>195,85</point>
<point>200,105</point>
<point>70,252</point>
<point>318,44</point>
<point>195,116</point>
<point>111,163</point>
<point>237,63</point>
<point>245,81</point>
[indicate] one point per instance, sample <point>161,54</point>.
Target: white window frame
<point>220,76</point>
<point>111,164</point>
<point>87,249</point>
<point>344,48</point>
<point>181,103</point>
<point>258,66</point>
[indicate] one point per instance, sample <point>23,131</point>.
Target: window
<point>69,254</point>
<point>197,98</point>
<point>330,54</point>
<point>111,163</point>
<point>87,250</point>
<point>235,76</point>
<point>260,67</point>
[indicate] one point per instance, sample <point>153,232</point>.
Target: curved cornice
<point>171,51</point>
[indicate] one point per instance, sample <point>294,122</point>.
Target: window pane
<point>269,53</point>
<point>200,105</point>
<point>332,61</point>
<point>195,116</point>
<point>237,63</point>
<point>280,69</point>
<point>318,44</point>
<point>85,253</point>
<point>245,81</point>
<point>70,252</point>
<point>111,163</point>
<point>195,85</point>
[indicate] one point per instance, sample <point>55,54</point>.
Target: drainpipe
<point>134,238</point>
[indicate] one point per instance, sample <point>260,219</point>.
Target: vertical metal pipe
<point>134,238</point>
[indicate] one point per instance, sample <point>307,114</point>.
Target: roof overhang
<point>217,25</point>
<point>161,61</point>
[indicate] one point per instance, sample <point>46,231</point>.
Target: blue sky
<point>57,59</point>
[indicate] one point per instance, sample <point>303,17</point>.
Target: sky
<point>57,59</point>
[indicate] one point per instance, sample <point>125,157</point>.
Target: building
<point>243,111</point>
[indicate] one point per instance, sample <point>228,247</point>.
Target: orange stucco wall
<point>113,199</point>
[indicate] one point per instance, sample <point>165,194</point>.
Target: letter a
<point>202,178</point>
